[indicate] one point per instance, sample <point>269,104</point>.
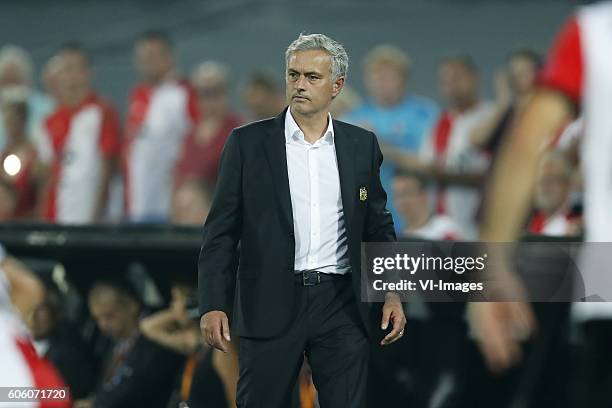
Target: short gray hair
<point>336,51</point>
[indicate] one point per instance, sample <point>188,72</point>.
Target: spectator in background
<point>8,200</point>
<point>80,144</point>
<point>344,103</point>
<point>138,372</point>
<point>202,147</point>
<point>554,215</point>
<point>412,201</point>
<point>50,78</point>
<point>162,111</point>
<point>59,342</point>
<point>209,377</point>
<point>16,69</point>
<point>19,158</point>
<point>400,119</point>
<point>262,96</point>
<point>458,167</point>
<point>514,87</point>
<point>191,202</point>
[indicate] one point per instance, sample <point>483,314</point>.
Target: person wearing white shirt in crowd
<point>412,201</point>
<point>162,111</point>
<point>16,70</point>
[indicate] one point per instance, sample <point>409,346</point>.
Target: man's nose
<point>300,84</point>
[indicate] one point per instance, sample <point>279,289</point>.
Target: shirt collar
<point>293,131</point>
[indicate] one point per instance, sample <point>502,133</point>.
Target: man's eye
<point>313,77</point>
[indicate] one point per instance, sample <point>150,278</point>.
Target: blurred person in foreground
<point>400,118</point>
<point>162,111</point>
<point>137,371</point>
<point>21,292</point>
<point>202,148</point>
<point>412,200</point>
<point>17,70</point>
<point>262,96</point>
<point>553,213</point>
<point>209,376</point>
<point>19,159</point>
<point>59,341</point>
<point>79,146</point>
<point>576,78</point>
<point>299,273</point>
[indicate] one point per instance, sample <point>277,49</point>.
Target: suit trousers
<point>328,330</point>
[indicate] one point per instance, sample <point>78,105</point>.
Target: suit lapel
<point>345,155</point>
<point>277,159</point>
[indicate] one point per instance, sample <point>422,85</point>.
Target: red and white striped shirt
<point>580,66</point>
<point>159,119</point>
<point>450,146</point>
<point>75,142</point>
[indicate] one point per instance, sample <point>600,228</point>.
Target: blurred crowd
<point>68,156</point>
<point>110,345</point>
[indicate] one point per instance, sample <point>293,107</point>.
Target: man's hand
<point>393,311</point>
<point>500,327</point>
<point>215,330</point>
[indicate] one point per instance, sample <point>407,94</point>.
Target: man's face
<point>153,60</point>
<point>310,88</point>
<point>386,84</point>
<point>115,318</point>
<point>73,74</point>
<point>261,102</point>
<point>43,322</point>
<point>522,74</point>
<point>410,198</point>
<point>12,75</point>
<point>458,85</point>
<point>190,205</point>
<point>553,186</point>
<point>212,95</point>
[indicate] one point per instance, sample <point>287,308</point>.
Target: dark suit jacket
<point>146,378</point>
<point>252,206</point>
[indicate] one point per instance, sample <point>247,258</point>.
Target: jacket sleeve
<point>216,265</point>
<point>379,222</point>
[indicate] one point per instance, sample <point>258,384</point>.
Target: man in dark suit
<point>137,372</point>
<point>299,192</point>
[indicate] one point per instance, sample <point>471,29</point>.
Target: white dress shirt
<point>318,216</point>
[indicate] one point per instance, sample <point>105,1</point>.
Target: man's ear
<point>337,86</point>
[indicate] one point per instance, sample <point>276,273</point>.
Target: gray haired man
<point>300,192</point>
